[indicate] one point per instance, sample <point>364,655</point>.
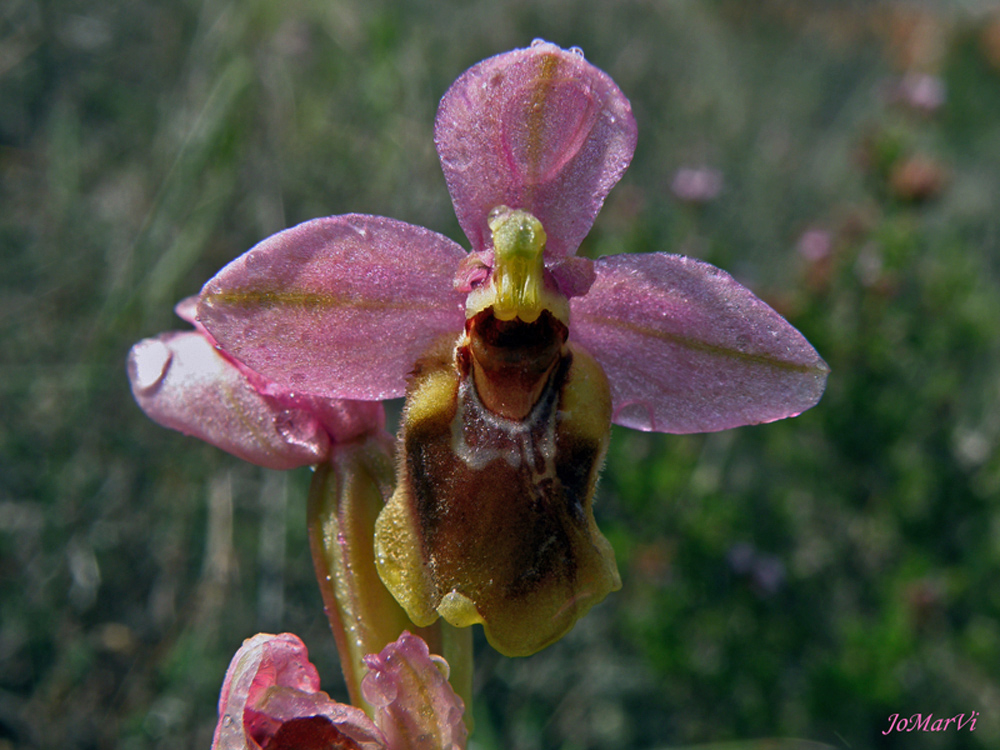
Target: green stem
<point>345,498</point>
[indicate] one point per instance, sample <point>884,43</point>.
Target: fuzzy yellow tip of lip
<point>517,287</point>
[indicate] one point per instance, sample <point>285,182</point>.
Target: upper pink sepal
<point>538,129</point>
<point>271,698</point>
<point>182,382</point>
<point>415,706</point>
<point>688,349</point>
<point>338,307</point>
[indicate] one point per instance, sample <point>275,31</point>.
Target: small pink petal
<point>538,129</point>
<point>473,270</point>
<point>415,707</point>
<point>271,686</point>
<point>573,276</point>
<point>339,307</point>
<point>688,349</point>
<point>183,383</point>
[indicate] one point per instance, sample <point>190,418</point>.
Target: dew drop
<point>457,154</point>
<point>496,212</point>
<point>441,664</point>
<point>458,160</point>
<point>359,229</point>
<point>578,51</point>
<point>538,42</point>
<point>255,259</point>
<point>378,688</point>
<point>295,427</point>
<point>227,721</point>
<point>149,363</point>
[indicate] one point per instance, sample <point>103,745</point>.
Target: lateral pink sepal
<point>182,382</point>
<point>688,349</point>
<point>338,307</point>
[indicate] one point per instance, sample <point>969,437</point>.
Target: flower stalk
<point>345,498</point>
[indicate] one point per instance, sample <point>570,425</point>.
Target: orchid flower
<point>516,357</point>
<point>271,700</point>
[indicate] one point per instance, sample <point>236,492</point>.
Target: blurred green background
<point>803,579</point>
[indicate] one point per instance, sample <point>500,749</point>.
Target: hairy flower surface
<point>514,358</point>
<point>271,700</point>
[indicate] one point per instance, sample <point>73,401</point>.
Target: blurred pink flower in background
<point>697,184</point>
<point>921,92</point>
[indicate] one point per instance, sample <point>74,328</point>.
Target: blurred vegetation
<point>803,579</point>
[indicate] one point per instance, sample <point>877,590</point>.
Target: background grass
<point>802,579</point>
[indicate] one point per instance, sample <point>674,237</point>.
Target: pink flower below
<point>271,700</point>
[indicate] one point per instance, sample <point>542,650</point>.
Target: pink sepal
<point>339,307</point>
<point>539,129</point>
<point>688,349</point>
<point>182,382</point>
<point>342,419</point>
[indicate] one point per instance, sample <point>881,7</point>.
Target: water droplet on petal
<point>255,259</point>
<point>457,154</point>
<point>537,42</point>
<point>359,228</point>
<point>378,689</point>
<point>441,664</point>
<point>227,721</point>
<point>496,212</point>
<point>149,363</point>
<point>578,51</point>
<point>296,427</point>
